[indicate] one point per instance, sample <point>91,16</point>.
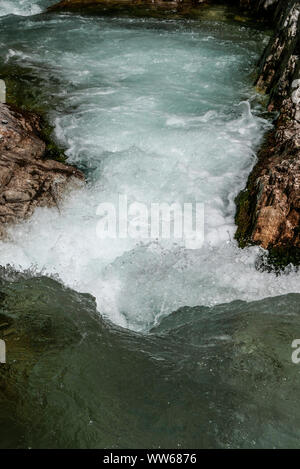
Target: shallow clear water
<point>162,111</point>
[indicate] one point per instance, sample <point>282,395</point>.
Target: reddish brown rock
<point>27,180</point>
<point>269,209</point>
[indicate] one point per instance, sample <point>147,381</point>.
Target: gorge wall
<point>268,211</point>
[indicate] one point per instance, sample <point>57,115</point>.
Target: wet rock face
<point>269,209</point>
<point>26,179</point>
<point>262,7</point>
<point>279,63</point>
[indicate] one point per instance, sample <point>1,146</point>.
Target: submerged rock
<point>262,8</point>
<point>27,179</point>
<point>204,9</point>
<point>269,209</point>
<point>119,4</point>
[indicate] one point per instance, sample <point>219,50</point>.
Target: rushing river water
<point>159,111</point>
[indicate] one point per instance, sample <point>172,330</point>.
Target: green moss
<point>277,259</point>
<point>53,150</point>
<point>243,218</point>
<point>24,93</point>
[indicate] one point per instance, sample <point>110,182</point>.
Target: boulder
<point>27,178</point>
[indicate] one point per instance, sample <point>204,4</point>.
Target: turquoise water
<point>161,111</point>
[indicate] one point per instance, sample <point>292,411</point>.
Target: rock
<point>73,4</point>
<point>269,209</point>
<point>135,7</point>
<point>262,7</point>
<point>258,7</point>
<point>279,63</point>
<point>27,179</point>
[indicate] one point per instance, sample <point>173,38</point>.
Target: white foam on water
<point>155,111</point>
<point>19,7</point>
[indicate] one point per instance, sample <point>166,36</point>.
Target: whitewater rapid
<point>161,111</point>
<point>21,7</point>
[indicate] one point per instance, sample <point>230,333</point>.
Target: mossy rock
<point>23,93</point>
<point>244,217</point>
<point>279,259</point>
